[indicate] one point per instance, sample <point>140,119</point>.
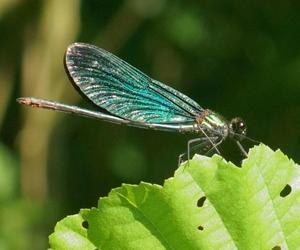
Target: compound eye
<point>242,125</point>
<point>238,126</point>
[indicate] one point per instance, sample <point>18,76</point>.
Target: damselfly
<point>124,95</point>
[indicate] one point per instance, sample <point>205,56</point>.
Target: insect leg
<point>215,145</point>
<point>192,141</point>
<point>181,157</point>
<point>242,149</point>
<point>210,140</point>
<point>203,147</point>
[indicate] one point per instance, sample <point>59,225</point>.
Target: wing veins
<point>110,83</point>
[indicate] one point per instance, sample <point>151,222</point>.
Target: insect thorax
<point>212,123</point>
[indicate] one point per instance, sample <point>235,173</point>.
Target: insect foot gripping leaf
<point>210,204</point>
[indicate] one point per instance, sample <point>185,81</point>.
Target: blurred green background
<point>235,57</point>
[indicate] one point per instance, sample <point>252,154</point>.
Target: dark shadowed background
<point>239,58</point>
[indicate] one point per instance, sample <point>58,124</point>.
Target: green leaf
<point>208,204</point>
<point>70,233</point>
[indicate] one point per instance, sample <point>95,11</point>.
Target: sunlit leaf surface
<point>208,204</point>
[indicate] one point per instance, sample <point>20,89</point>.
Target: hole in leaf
<point>85,224</point>
<point>286,191</point>
<point>201,228</point>
<point>201,201</point>
<point>276,248</point>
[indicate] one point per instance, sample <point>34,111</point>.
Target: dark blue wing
<point>123,90</point>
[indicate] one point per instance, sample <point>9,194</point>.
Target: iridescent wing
<point>124,91</point>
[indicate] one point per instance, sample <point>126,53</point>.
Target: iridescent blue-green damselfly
<point>124,95</point>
